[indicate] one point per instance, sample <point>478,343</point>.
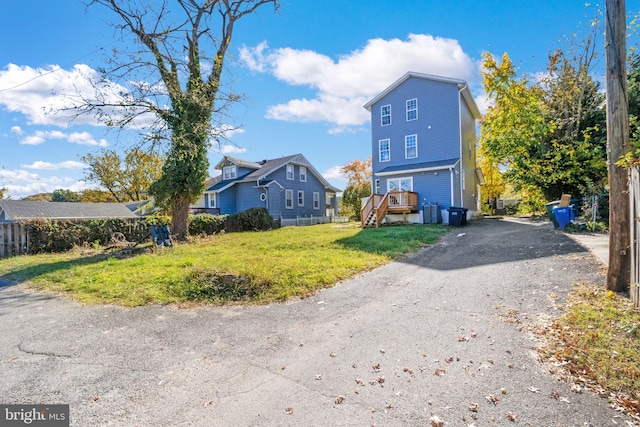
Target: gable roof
<point>265,168</point>
<point>17,210</point>
<point>239,162</point>
<point>462,85</point>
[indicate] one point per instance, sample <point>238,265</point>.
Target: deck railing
<point>377,206</point>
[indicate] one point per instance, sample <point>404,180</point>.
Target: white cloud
<point>334,173</point>
<point>22,183</point>
<point>69,164</point>
<point>47,95</point>
<point>82,138</point>
<point>344,85</point>
<point>230,149</point>
<point>17,130</point>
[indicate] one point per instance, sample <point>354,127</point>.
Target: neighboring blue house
<point>288,187</point>
<point>423,150</point>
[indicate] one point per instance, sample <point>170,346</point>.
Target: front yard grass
<point>253,267</point>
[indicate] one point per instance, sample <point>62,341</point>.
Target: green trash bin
<point>552,216</point>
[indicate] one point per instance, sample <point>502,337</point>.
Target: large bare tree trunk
<point>180,216</point>
<point>617,145</point>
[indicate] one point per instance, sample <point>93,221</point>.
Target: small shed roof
<point>18,210</point>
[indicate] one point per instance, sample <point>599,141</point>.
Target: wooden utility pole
<point>617,145</point>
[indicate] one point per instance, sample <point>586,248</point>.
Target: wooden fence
<point>634,199</point>
<point>13,240</point>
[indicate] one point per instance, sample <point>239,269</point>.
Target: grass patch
<point>597,344</point>
<point>257,267</point>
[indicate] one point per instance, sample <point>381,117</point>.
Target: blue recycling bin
<point>564,216</point>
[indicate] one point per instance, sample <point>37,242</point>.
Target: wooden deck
<point>378,205</point>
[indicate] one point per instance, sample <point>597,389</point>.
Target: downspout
<point>451,173</point>
<point>464,86</point>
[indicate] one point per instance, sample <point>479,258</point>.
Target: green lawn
<point>229,268</point>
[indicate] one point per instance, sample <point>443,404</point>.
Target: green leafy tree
<point>64,195</point>
<point>126,179</point>
<point>96,196</point>
<point>179,47</point>
<point>3,191</point>
<point>358,173</point>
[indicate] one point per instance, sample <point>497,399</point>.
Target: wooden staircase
<point>374,210</point>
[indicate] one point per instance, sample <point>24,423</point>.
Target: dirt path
<point>431,335</point>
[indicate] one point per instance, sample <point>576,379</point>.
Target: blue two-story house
<point>423,140</point>
<point>288,187</point>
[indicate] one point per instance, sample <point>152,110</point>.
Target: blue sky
<point>306,71</point>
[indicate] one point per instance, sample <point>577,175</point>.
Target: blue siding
<point>309,187</point>
<point>441,116</point>
<point>437,126</point>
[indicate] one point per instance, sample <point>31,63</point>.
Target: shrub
<point>206,224</point>
<point>254,219</point>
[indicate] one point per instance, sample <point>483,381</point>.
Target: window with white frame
<point>376,190</point>
<point>300,198</point>
<point>384,149</point>
<point>288,199</point>
<point>400,184</point>
<point>212,200</point>
<point>411,146</point>
<point>290,172</point>
<point>229,172</point>
<point>412,109</point>
<point>316,200</point>
<point>463,181</point>
<point>303,173</point>
<point>385,115</point>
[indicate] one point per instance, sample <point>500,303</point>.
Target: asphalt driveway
<point>431,335</point>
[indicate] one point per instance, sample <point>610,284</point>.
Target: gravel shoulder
<point>431,335</point>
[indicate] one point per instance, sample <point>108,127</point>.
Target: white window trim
<point>406,156</point>
<point>229,172</point>
<point>300,198</point>
<point>376,186</point>
<point>212,198</point>
<point>388,141</point>
<point>410,178</point>
<point>382,116</point>
<point>288,196</point>
<point>316,200</point>
<point>416,109</point>
<point>293,172</point>
<point>303,174</point>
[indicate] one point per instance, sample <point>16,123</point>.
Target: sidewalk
<point>598,244</point>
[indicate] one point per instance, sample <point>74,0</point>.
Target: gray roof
<point>16,210</point>
<point>265,168</point>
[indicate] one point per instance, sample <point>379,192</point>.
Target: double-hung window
<point>290,172</point>
<point>411,146</point>
<point>385,115</point>
<point>212,200</point>
<point>316,200</point>
<point>384,150</point>
<point>300,198</point>
<point>412,109</point>
<point>288,199</point>
<point>303,174</point>
<point>229,172</point>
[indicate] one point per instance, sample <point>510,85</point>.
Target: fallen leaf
<point>493,399</point>
<point>318,376</point>
<point>209,403</point>
<point>289,410</point>
<point>339,399</point>
<point>534,390</point>
<point>436,422</point>
<point>332,354</point>
<point>474,407</point>
<point>511,417</point>
<point>376,367</point>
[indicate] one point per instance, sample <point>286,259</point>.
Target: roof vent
<point>262,162</point>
